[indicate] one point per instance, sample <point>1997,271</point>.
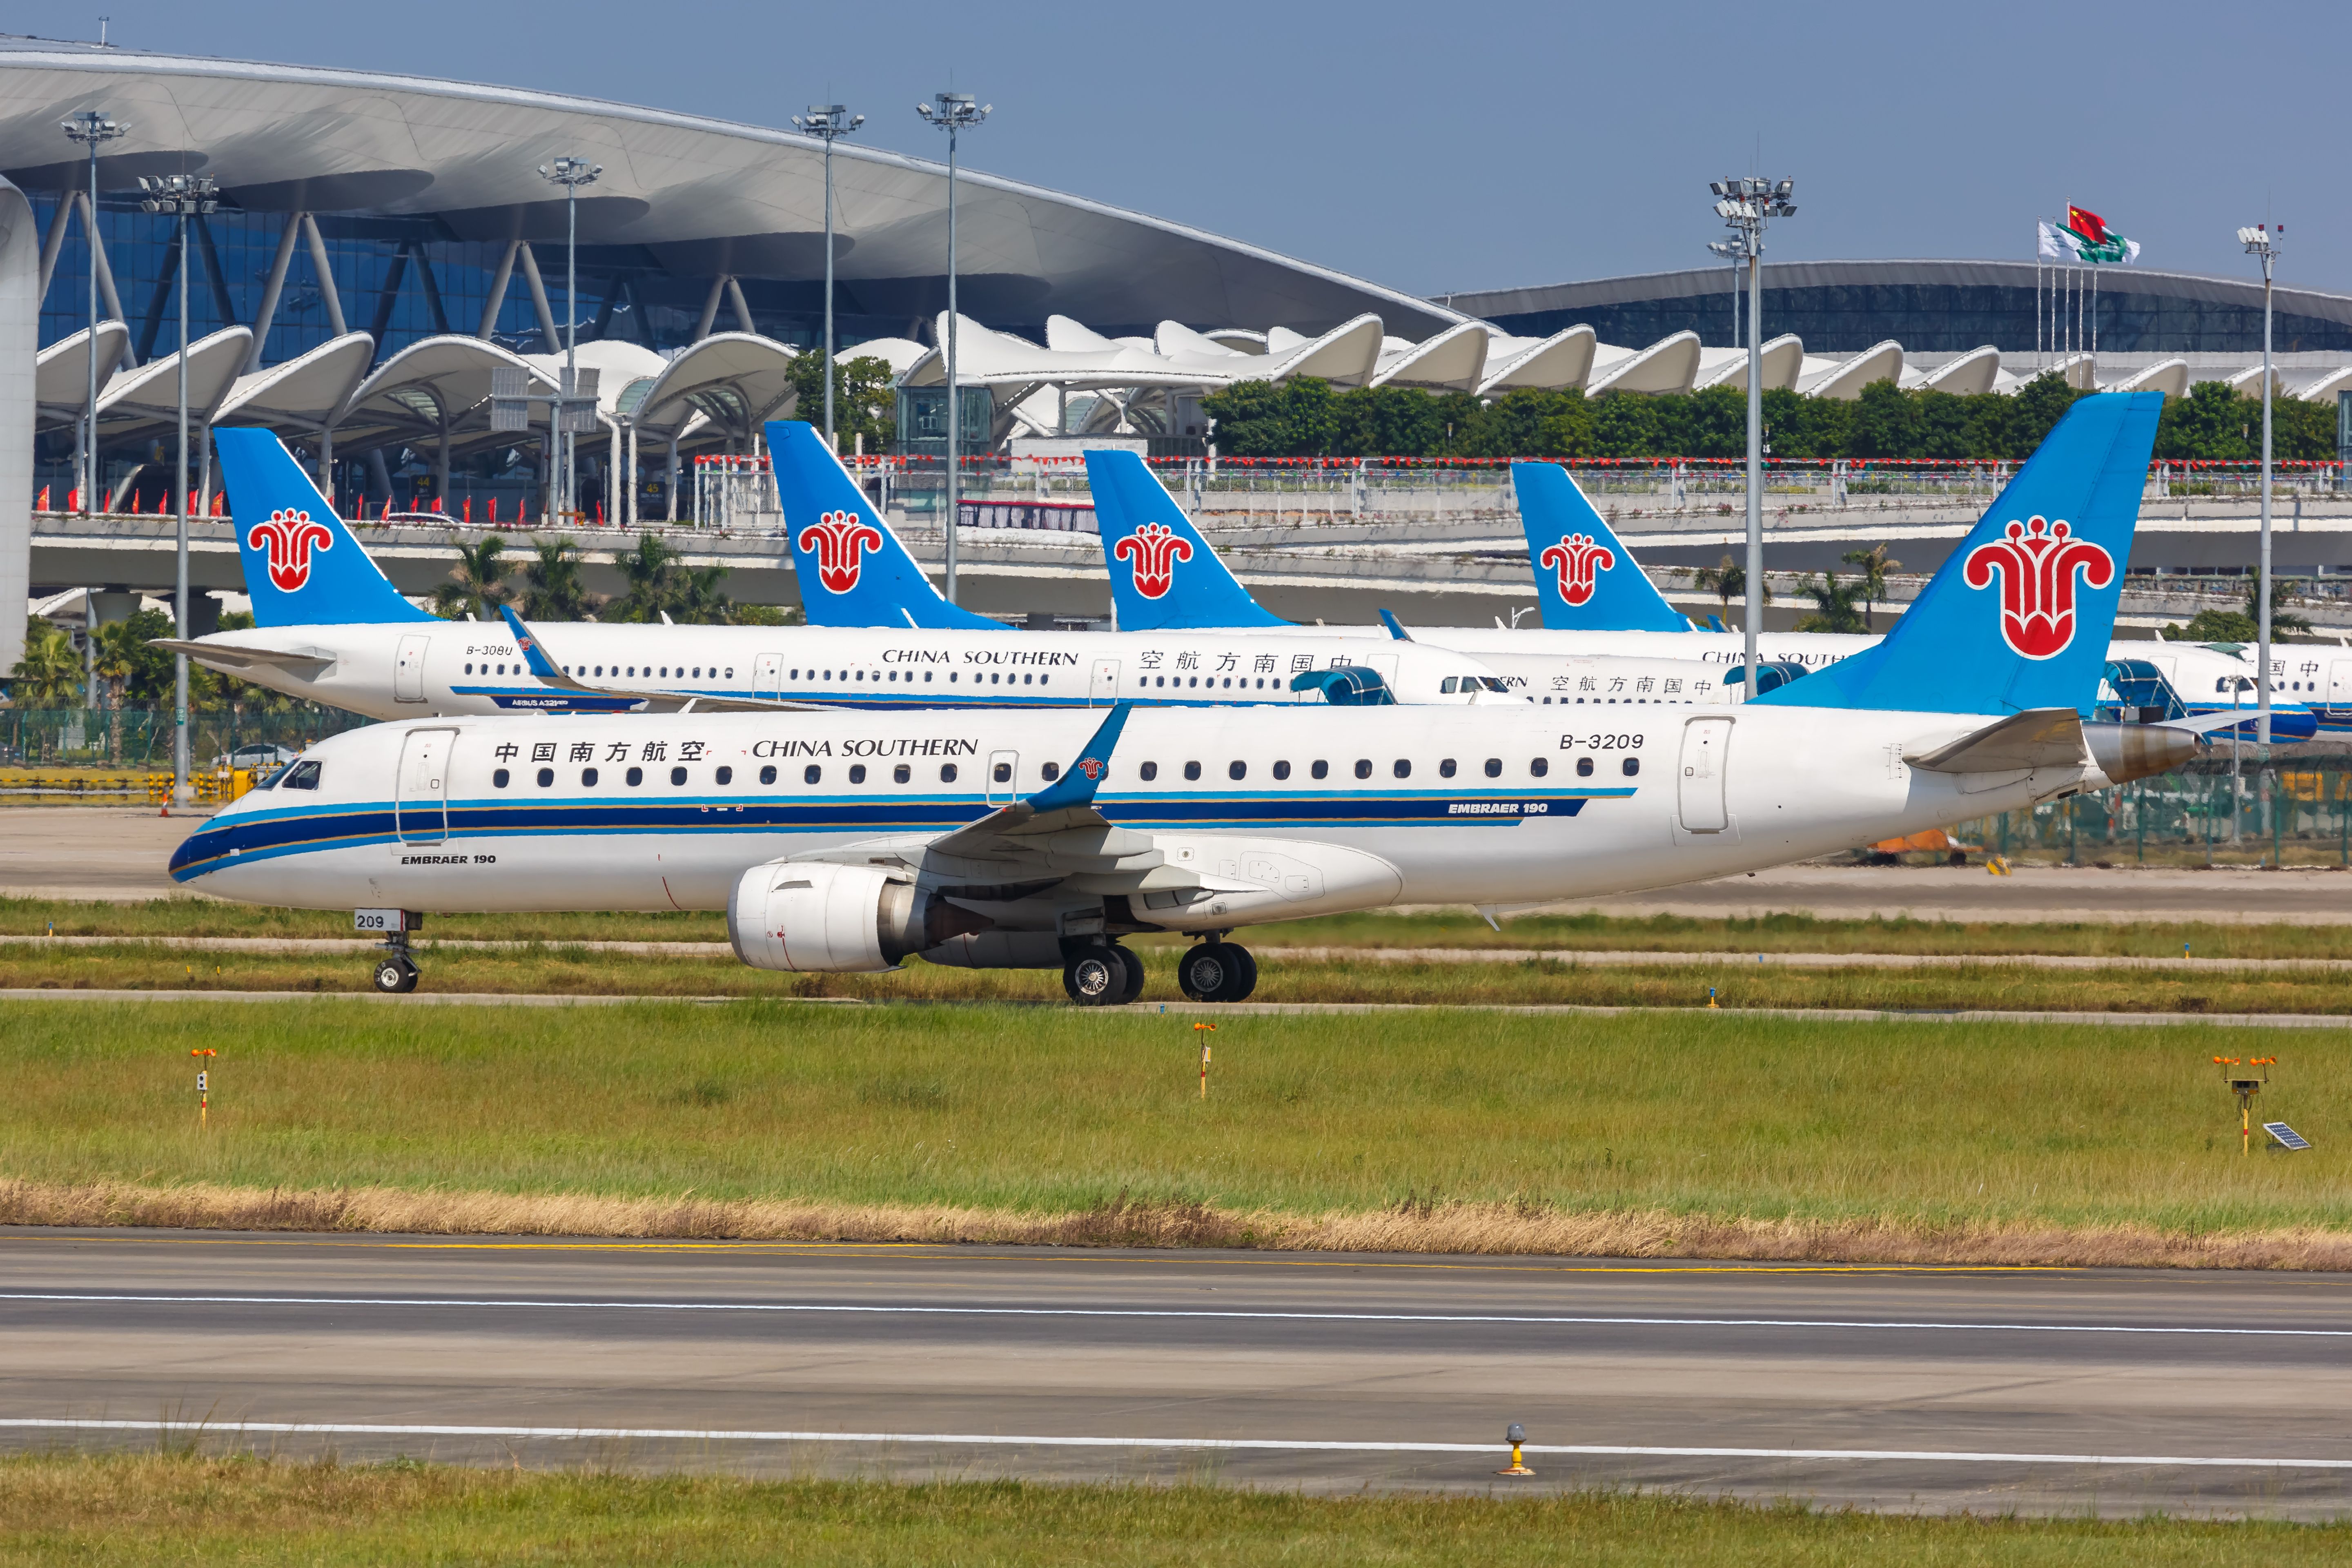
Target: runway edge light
<point>1516,1437</point>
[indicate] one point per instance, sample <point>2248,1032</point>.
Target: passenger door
<point>408,669</point>
<point>421,799</point>
<point>1705,741</point>
<point>768,674</point>
<point>1105,689</point>
<point>2339,684</point>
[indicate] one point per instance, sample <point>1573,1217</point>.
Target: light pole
<point>183,196</point>
<point>2262,241</point>
<point>1745,204</point>
<point>91,128</point>
<point>829,121</point>
<point>571,173</point>
<point>952,112</point>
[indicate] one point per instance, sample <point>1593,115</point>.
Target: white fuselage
<point>445,668</point>
<point>1307,811</point>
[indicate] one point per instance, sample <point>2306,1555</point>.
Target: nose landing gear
<point>395,973</point>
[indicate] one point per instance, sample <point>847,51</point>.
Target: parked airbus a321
<point>333,630</point>
<point>1007,839</point>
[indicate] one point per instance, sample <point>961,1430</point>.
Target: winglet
<point>1079,783</point>
<point>1396,629</point>
<point>546,668</point>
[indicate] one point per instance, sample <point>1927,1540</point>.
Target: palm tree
<point>119,644</point>
<point>650,570</point>
<point>50,673</point>
<point>695,597</point>
<point>473,587</point>
<point>2282,619</point>
<point>1833,604</point>
<point>1726,582</point>
<point>1875,564</point>
<point>555,592</point>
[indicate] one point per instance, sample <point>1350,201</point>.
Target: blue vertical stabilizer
<point>1163,575</point>
<point>1586,580</point>
<point>302,566</point>
<point>2019,616</point>
<point>853,570</point>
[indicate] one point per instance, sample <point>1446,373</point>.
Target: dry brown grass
<point>1505,1229</point>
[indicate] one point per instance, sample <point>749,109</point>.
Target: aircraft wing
<point>236,657</point>
<point>551,673</point>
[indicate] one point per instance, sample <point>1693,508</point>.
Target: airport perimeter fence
<point>141,738</point>
<point>2281,812</point>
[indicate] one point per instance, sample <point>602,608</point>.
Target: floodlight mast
<point>1745,204</point>
<point>183,196</point>
<point>952,112</point>
<point>90,128</point>
<point>571,173</point>
<point>829,121</point>
<point>2262,241</point>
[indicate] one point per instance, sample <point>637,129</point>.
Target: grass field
<point>1435,1131</point>
<point>1770,933</point>
<point>561,969</point>
<point>57,1511</point>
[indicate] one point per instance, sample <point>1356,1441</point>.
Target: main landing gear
<point>1108,976</point>
<point>1217,970</point>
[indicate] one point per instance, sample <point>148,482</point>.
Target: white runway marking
<point>1242,1315</point>
<point>1275,1444</point>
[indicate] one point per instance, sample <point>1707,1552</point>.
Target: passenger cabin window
<point>636,777</point>
<point>547,778</point>
<point>768,774</point>
<point>1320,769</point>
<point>1538,766</point>
<point>1051,771</point>
<point>1192,772</point>
<point>1401,768</point>
<point>498,779</point>
<point>726,775</point>
<point>857,773</point>
<point>1632,766</point>
<point>1281,770</point>
<point>811,774</point>
<point>1148,772</point>
<point>588,778</point>
<point>1237,770</point>
<point>946,773</point>
<point>1584,767</point>
<point>1445,769</point>
<point>1001,772</point>
<point>301,775</point>
<point>677,775</point>
<point>1494,767</point>
<point>1363,767</point>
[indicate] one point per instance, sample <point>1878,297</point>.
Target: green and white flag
<point>2085,236</point>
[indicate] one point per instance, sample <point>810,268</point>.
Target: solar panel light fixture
<point>2246,1077</point>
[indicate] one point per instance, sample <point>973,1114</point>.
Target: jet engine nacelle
<point>810,915</point>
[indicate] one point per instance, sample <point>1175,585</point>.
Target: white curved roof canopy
<point>1967,375</point>
<point>1782,358</point>
<point>150,394</point>
<point>2168,376</point>
<point>1453,361</point>
<point>429,382</point>
<point>61,371</point>
<point>1845,382</point>
<point>308,391</point>
<point>1554,364</point>
<point>735,379</point>
<point>2325,389</point>
<point>1667,365</point>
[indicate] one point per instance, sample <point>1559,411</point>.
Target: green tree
<point>695,599</point>
<point>650,570</point>
<point>50,673</point>
<point>1625,425</point>
<point>1833,608</point>
<point>1258,419</point>
<point>2040,403</point>
<point>555,593</point>
<point>473,583</point>
<point>1886,423</point>
<point>1528,423</point>
<point>2210,425</point>
<point>1875,564</point>
<point>1726,582</point>
<point>864,398</point>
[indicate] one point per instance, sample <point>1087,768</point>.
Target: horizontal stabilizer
<point>241,658</point>
<point>2037,738</point>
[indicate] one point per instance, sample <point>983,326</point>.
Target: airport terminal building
<point>385,246</point>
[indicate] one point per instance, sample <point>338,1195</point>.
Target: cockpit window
<point>301,775</point>
<point>271,782</point>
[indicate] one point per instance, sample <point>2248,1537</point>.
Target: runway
<point>2038,1390</point>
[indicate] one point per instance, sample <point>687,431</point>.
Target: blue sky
<point>1466,146</point>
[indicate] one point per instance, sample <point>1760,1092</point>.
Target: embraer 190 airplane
<point>1000,838</point>
<point>333,629</point>
<point>1609,636</point>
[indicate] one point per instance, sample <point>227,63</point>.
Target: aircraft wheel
<point>1134,986</point>
<point>396,976</point>
<point>1217,971</point>
<point>1096,978</point>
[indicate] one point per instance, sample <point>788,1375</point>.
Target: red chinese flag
<point>2089,224</point>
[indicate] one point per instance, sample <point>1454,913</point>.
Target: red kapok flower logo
<point>287,537</point>
<point>840,540</point>
<point>1579,561</point>
<point>1155,549</point>
<point>2036,564</point>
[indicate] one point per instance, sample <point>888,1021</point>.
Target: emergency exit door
<point>768,674</point>
<point>420,800</point>
<point>408,669</point>
<point>1705,741</point>
<point>1104,691</point>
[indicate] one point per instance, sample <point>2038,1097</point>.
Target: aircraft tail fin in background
<point>853,570</point>
<point>1163,575</point>
<point>2018,617</point>
<point>1585,579</point>
<point>302,566</point>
